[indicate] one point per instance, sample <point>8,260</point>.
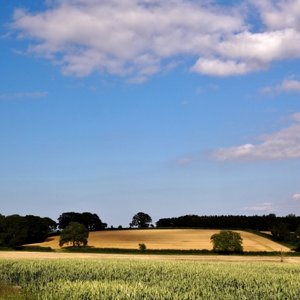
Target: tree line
<point>16,230</point>
<point>261,223</point>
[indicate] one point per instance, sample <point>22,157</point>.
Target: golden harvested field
<point>184,239</point>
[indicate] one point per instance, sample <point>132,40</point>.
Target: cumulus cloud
<point>139,38</point>
<point>130,37</point>
<point>279,14</point>
<point>287,85</point>
<point>283,144</point>
<point>16,96</point>
<point>221,68</point>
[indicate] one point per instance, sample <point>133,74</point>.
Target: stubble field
<point>183,239</point>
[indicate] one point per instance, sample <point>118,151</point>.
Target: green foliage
<point>281,231</point>
<point>141,220</point>
<point>75,233</point>
<point>17,230</point>
<point>261,223</point>
<point>136,279</point>
<point>227,242</point>
<point>296,239</point>
<point>91,221</point>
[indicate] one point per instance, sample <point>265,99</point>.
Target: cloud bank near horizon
<point>283,144</point>
<point>136,39</point>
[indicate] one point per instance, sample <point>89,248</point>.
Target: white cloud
<point>262,207</point>
<point>283,144</point>
<point>130,37</point>
<point>279,14</point>
<point>217,67</point>
<point>16,96</point>
<point>138,38</point>
<point>287,85</point>
<point>296,197</point>
<point>262,47</point>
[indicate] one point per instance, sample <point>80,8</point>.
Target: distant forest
<point>261,223</point>
<point>16,230</point>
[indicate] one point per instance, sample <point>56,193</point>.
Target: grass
<point>142,279</point>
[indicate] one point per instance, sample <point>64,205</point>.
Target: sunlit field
<point>142,279</point>
<point>168,239</point>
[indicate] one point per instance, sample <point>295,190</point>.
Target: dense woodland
<point>262,223</point>
<point>16,230</point>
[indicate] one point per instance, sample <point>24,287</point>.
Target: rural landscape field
<point>150,150</point>
<point>141,279</point>
<point>63,275</point>
<point>181,239</point>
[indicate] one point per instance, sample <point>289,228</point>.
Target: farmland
<point>168,239</point>
<point>150,279</point>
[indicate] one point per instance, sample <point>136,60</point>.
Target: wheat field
<point>183,239</point>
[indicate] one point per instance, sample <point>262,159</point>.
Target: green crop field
<point>140,279</point>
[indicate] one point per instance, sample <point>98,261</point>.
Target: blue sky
<point>184,107</point>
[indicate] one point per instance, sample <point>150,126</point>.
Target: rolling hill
<point>167,239</point>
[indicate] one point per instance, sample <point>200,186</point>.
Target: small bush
<point>142,247</point>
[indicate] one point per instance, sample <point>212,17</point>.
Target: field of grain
<point>184,239</point>
<point>141,279</point>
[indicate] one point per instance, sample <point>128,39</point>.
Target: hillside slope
<point>168,239</point>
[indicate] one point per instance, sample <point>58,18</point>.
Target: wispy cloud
<point>20,96</point>
<point>287,85</point>
<point>283,144</point>
<point>139,38</point>
<point>296,197</point>
<point>261,207</point>
<point>185,161</point>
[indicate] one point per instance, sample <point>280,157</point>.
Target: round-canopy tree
<point>75,233</point>
<point>91,221</point>
<point>141,220</point>
<point>227,241</point>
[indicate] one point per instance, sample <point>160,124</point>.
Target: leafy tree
<point>91,221</point>
<point>17,230</point>
<point>281,231</point>
<point>141,220</point>
<point>75,233</point>
<point>52,225</point>
<point>295,239</point>
<point>227,241</point>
